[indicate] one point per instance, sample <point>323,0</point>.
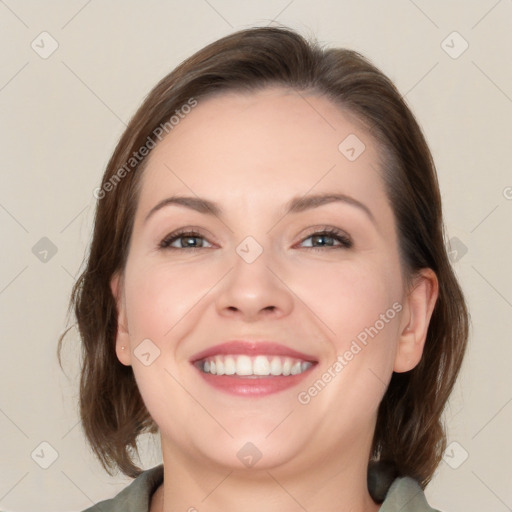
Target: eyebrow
<point>295,205</point>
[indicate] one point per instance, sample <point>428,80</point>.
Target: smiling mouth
<point>253,369</point>
<point>241,365</point>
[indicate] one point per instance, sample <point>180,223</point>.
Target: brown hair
<point>409,435</point>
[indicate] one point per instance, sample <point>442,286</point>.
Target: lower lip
<point>253,386</point>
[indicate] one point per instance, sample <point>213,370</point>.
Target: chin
<point>253,453</point>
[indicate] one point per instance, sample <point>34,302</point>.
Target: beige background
<point>62,115</point>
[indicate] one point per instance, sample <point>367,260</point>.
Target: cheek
<point>159,303</point>
<point>345,299</point>
<point>351,297</point>
<point>159,298</point>
<point>359,307</point>
<point>340,303</point>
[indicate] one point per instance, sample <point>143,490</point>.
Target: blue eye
<point>328,238</point>
<point>190,237</point>
<point>324,239</point>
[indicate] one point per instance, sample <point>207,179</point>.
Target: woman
<point>268,288</point>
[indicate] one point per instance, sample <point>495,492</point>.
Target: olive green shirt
<point>404,495</point>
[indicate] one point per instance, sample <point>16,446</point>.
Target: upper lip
<point>251,348</point>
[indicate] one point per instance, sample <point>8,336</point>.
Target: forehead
<point>264,146</point>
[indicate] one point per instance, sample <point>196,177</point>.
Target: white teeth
<point>276,367</point>
<point>243,365</point>
<point>219,364</point>
<point>296,368</point>
<point>260,365</point>
<point>229,365</point>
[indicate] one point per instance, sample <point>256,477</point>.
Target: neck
<point>324,485</point>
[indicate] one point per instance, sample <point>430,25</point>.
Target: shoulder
<point>406,495</point>
<point>136,497</point>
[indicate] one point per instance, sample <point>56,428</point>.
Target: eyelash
<point>336,234</point>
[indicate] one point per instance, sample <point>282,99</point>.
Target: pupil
<point>322,238</point>
<point>190,240</point>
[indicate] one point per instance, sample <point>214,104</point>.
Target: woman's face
<point>322,313</point>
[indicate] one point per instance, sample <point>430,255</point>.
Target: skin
<point>251,154</point>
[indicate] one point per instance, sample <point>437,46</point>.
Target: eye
<point>192,240</point>
<point>329,237</point>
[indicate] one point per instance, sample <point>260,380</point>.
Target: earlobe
<point>416,317</point>
<point>122,341</point>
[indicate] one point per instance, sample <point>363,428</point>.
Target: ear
<point>122,335</point>
<point>418,309</point>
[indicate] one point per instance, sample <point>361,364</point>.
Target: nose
<point>253,291</point>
